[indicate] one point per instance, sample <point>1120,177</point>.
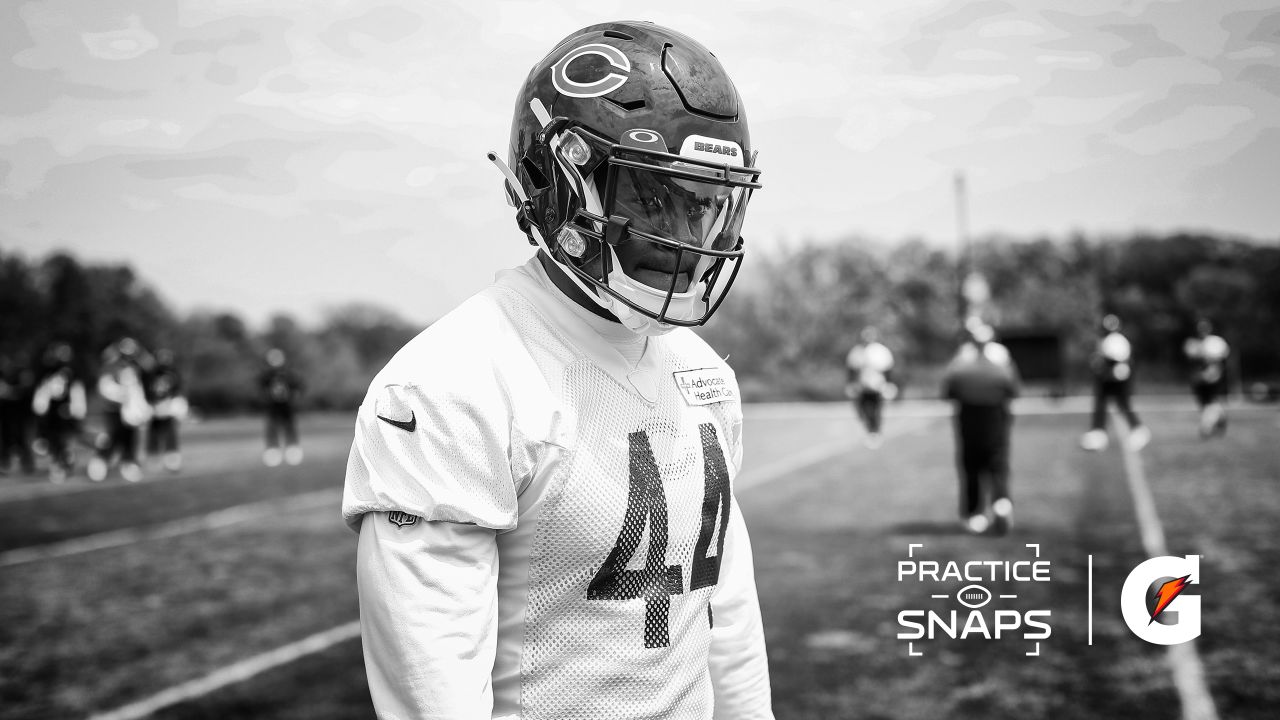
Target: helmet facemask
<point>688,209</point>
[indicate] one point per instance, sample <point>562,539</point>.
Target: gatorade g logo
<point>596,87</point>
<point>1154,602</point>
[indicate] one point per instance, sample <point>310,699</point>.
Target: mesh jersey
<point>623,582</point>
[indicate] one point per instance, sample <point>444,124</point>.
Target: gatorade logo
<point>1156,603</point>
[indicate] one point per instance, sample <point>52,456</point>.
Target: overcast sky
<point>296,154</point>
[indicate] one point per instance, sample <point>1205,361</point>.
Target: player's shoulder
<point>689,349</point>
<point>855,355</point>
<point>879,352</point>
<point>471,338</point>
<point>997,354</point>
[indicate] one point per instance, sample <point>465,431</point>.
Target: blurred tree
<point>221,362</point>
<point>21,309</point>
<point>793,314</point>
<point>375,333</point>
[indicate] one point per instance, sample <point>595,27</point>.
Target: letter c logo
<point>595,88</point>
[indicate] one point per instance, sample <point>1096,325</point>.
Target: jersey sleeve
<point>439,453</point>
<point>738,664</point>
<point>428,617</point>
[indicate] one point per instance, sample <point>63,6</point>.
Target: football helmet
<point>628,132</point>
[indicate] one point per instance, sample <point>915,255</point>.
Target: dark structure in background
<point>1039,354</point>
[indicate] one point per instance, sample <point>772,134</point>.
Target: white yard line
<point>173,528</point>
<point>234,673</point>
<point>1184,660</point>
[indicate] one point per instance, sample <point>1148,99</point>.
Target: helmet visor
<point>704,214</point>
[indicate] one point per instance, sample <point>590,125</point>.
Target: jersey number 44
<point>647,503</point>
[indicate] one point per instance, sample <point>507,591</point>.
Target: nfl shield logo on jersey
<point>401,519</point>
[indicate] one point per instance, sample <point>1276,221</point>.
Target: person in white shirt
<point>1208,355</point>
<point>869,373</point>
<point>542,480</point>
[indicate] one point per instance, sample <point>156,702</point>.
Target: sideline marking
<point>234,673</point>
<point>173,528</point>
<point>1184,661</point>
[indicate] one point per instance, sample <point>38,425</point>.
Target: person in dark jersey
<point>280,388</point>
<point>982,382</point>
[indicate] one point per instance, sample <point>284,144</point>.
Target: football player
<point>542,480</point>
<point>169,407</point>
<point>982,381</point>
<point>17,386</point>
<point>869,383</point>
<point>1113,381</point>
<point>59,404</point>
<point>280,387</point>
<point>125,409</point>
<point>1208,355</point>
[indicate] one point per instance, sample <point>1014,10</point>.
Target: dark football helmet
<point>630,132</point>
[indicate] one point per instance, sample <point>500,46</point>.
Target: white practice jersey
<point>548,530</point>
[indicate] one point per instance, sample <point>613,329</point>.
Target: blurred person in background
<point>168,409</point>
<point>124,408</point>
<point>280,388</point>
<point>59,404</point>
<point>982,382</point>
<point>17,390</point>
<point>1208,355</point>
<point>1112,368</point>
<point>869,369</point>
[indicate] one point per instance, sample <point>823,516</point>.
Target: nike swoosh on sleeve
<point>411,424</point>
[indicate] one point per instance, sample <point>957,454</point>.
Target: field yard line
<point>173,528</point>
<point>234,673</point>
<point>1184,661</point>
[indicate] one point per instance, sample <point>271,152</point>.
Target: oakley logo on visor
<point>715,150</point>
<point>595,88</point>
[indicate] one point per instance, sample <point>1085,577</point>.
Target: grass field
<point>172,596</point>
